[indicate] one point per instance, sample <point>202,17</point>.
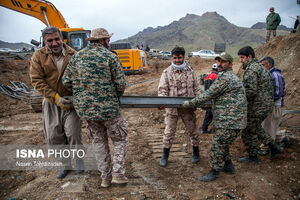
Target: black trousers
<point>207,120</point>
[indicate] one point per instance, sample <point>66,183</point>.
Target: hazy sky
<point>125,18</point>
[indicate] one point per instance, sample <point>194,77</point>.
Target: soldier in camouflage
<point>230,115</point>
<point>97,80</point>
<point>259,91</point>
<point>179,79</point>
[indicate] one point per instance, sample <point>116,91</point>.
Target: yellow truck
<point>134,61</point>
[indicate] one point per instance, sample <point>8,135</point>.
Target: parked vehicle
<point>134,61</point>
<point>207,54</point>
<point>166,54</point>
<point>193,53</point>
<point>204,53</point>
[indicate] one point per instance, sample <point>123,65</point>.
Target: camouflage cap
<point>99,33</point>
<point>225,57</point>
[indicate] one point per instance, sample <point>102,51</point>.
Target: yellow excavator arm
<point>50,16</point>
<point>40,9</point>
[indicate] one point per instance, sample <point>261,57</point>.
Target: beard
<point>56,49</point>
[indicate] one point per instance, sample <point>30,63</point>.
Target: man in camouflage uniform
<point>62,126</point>
<point>97,80</point>
<point>259,91</point>
<point>230,115</point>
<point>180,80</point>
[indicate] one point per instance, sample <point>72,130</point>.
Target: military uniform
<point>259,91</point>
<point>230,114</point>
<point>97,80</point>
<point>182,83</point>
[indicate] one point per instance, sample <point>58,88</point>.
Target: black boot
<point>63,173</point>
<point>164,159</point>
<point>228,167</point>
<point>284,142</point>
<point>196,156</point>
<point>79,166</point>
<point>248,159</point>
<point>212,175</point>
<point>275,149</point>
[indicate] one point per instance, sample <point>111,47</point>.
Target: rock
<point>65,185</point>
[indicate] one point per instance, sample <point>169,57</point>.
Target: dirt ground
<point>277,179</point>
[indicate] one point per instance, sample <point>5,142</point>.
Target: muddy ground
<point>277,179</point>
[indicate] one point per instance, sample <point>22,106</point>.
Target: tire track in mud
<point>147,139</point>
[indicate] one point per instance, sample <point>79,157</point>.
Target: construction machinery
<point>46,12</point>
<point>133,60</point>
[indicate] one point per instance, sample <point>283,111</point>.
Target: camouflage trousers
<point>189,119</point>
<point>97,132</point>
<point>253,133</point>
<point>219,152</point>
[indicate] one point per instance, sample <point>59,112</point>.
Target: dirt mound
<point>285,50</point>
<point>13,70</point>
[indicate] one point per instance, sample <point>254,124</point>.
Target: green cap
<point>225,57</point>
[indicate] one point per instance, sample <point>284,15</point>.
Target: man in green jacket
<point>96,77</point>
<point>273,20</point>
<point>230,115</point>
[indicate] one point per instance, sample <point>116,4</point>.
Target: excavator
<point>46,12</point>
<point>133,60</point>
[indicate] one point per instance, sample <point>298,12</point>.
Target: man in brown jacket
<point>180,80</point>
<point>62,125</point>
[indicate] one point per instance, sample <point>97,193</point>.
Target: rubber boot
<point>79,166</point>
<point>275,149</point>
<point>212,175</point>
<point>248,159</point>
<point>164,159</point>
<point>284,142</point>
<point>228,167</point>
<point>196,156</point>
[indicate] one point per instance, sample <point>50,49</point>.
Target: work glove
<point>62,102</point>
<point>188,104</point>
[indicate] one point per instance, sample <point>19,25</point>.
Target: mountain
<point>196,32</point>
<point>15,46</point>
<point>262,25</point>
